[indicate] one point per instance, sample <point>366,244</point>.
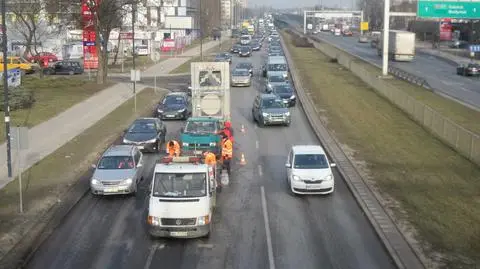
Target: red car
<point>43,58</point>
<point>347,33</point>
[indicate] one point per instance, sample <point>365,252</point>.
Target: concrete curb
<point>402,253</point>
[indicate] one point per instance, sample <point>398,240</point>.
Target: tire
<point>261,123</point>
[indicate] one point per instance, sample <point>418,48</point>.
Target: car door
<point>289,165</point>
<point>138,159</point>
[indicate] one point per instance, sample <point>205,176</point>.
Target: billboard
<point>90,56</point>
<point>178,22</point>
<point>446,30</point>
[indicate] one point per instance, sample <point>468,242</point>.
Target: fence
<point>459,138</point>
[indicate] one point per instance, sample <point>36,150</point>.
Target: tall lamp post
<point>133,60</point>
<point>6,106</point>
<point>201,32</point>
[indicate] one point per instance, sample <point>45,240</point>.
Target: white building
<point>226,13</point>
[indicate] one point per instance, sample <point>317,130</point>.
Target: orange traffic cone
<point>242,160</point>
<point>243,129</point>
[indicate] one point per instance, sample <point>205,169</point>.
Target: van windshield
<point>179,185</point>
<point>201,127</point>
<point>277,67</point>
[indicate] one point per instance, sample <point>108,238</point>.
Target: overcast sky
<point>299,3</point>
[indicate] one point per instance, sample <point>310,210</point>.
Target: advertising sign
<point>14,77</point>
<point>168,45</point>
<point>446,30</point>
<point>90,56</point>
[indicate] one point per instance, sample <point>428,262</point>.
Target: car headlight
<point>159,110</point>
<point>265,114</point>
<point>213,144</point>
<point>184,144</point>
<point>293,97</point>
<point>285,75</point>
<point>151,141</point>
<point>203,220</point>
<point>128,181</point>
<point>181,110</point>
<point>154,221</point>
<point>95,182</point>
<point>269,85</point>
<point>287,113</point>
<point>126,141</point>
<point>296,178</point>
<point>329,177</point>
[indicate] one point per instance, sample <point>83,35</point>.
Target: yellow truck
<point>16,62</point>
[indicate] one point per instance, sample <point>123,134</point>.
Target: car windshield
<point>179,185</point>
<point>276,79</point>
<point>142,126</point>
<point>244,66</point>
<point>277,67</point>
<point>245,48</point>
<point>116,162</point>
<point>245,38</point>
<point>272,103</point>
<point>173,100</point>
<point>241,73</point>
<point>283,89</point>
<point>201,127</point>
<point>310,161</point>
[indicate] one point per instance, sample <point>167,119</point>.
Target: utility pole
<point>201,32</point>
<point>6,106</point>
<point>133,60</point>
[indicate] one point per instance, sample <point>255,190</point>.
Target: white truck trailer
<point>401,46</point>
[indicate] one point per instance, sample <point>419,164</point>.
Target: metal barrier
<point>403,75</point>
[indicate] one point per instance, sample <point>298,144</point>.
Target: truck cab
<point>201,134</point>
<point>182,198</point>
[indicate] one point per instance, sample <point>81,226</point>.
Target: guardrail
<point>403,75</point>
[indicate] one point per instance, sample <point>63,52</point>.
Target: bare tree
<point>107,15</point>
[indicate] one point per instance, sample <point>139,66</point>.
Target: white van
<point>245,39</point>
<point>181,198</point>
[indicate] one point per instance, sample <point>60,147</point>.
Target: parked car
<point>241,77</point>
<point>470,69</point>
<point>175,105</point>
<point>42,58</point>
<point>245,65</point>
<point>223,57</point>
<point>118,171</point>
<point>286,93</point>
<point>268,109</point>
<point>245,51</point>
<point>64,68</point>
<point>146,133</point>
<point>309,171</point>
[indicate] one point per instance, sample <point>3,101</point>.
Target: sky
<point>299,3</point>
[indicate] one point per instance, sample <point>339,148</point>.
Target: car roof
<point>308,149</point>
<point>119,150</point>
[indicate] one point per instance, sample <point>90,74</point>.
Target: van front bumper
<point>180,231</point>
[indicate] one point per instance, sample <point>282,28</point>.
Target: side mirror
<point>287,165</point>
<point>94,166</point>
<point>333,165</point>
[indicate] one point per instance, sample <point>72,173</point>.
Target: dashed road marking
<point>260,172</point>
<point>151,254</point>
<point>257,144</point>
<point>267,230</point>
<point>205,245</point>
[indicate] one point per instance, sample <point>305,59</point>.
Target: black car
<point>286,93</point>
<point>235,48</point>
<point>175,105</point>
<point>255,46</point>
<point>245,65</point>
<point>223,57</point>
<point>245,51</point>
<point>147,134</point>
<point>469,70</point>
<point>64,68</point>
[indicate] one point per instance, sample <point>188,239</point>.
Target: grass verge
<point>51,178</point>
<point>433,187</point>
<point>141,62</point>
<point>458,113</point>
<point>207,57</point>
<point>53,95</point>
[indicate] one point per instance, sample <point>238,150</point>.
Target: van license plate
<point>178,233</point>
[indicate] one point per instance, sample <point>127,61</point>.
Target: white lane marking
<point>267,229</point>
<point>260,172</point>
<point>257,144</point>
<point>205,245</point>
<point>150,256</point>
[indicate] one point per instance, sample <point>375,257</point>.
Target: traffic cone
<point>242,160</point>
<point>243,129</point>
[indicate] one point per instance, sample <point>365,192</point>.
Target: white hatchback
<point>309,171</point>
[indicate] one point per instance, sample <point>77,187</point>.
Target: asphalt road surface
<point>258,224</point>
<point>440,74</point>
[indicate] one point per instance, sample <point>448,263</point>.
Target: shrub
<point>19,98</point>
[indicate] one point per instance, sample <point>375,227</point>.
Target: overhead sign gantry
<point>330,14</point>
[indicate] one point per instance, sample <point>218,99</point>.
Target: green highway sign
<point>449,9</point>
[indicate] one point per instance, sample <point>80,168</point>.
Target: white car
<point>309,171</point>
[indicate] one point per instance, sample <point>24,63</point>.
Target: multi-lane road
<point>258,224</point>
<point>440,74</point>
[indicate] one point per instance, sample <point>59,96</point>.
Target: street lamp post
<point>201,32</point>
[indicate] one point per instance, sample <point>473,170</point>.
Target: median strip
<point>58,178</point>
<point>428,186</point>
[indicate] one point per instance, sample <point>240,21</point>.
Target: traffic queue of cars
<point>182,179</point>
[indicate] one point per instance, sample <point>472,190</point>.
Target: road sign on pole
<point>449,9</point>
<point>364,26</point>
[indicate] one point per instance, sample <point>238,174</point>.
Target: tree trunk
<point>118,49</point>
<point>100,70</point>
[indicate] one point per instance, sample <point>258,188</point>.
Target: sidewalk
<point>426,47</point>
<point>50,135</point>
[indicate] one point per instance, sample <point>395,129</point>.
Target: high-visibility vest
<point>175,150</point>
<point>227,148</point>
<point>210,159</point>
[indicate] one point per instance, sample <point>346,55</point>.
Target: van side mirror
<point>287,165</point>
<point>333,165</point>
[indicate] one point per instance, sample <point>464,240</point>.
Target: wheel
<point>287,124</point>
<point>261,123</point>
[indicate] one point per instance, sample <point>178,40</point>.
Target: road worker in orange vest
<point>173,148</point>
<point>227,152</point>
